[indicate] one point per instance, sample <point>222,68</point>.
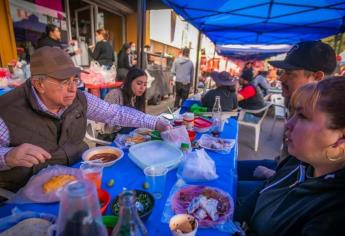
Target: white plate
<point>105,149</point>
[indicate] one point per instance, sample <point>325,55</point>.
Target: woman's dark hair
<point>127,92</point>
<point>50,28</point>
<point>123,49</point>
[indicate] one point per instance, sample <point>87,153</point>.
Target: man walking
<point>183,69</point>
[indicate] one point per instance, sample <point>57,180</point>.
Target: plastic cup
<point>92,173</point>
<point>183,225</point>
<point>155,178</point>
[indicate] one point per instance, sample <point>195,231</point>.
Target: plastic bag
<point>219,145</point>
<point>176,136</point>
<point>33,192</point>
<point>197,166</point>
<point>18,216</point>
<point>224,224</point>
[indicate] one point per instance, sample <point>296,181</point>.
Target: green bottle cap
<point>184,145</point>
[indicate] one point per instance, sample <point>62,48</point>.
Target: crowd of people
<point>300,193</point>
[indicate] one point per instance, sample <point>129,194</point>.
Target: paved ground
<point>162,107</point>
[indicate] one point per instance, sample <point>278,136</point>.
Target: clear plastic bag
<point>176,136</point>
<point>224,224</point>
<point>219,145</point>
<point>18,216</point>
<point>33,192</point>
<point>197,166</point>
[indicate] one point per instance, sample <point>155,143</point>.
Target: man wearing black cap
<point>306,62</point>
<point>43,121</point>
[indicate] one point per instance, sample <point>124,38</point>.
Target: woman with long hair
<point>123,62</point>
<point>133,90</point>
<point>132,94</point>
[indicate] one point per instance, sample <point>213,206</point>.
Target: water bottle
<point>217,117</point>
<point>79,212</point>
<point>129,223</point>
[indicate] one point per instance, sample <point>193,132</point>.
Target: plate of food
<point>102,156</point>
<point>210,206</point>
<point>45,186</point>
<point>125,141</point>
<point>216,144</point>
<point>143,131</point>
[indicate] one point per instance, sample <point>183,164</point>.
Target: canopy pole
<point>141,24</point>
<point>197,66</point>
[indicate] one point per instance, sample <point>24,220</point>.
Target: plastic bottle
<point>188,120</point>
<point>79,211</point>
<point>185,148</point>
<point>217,117</point>
<point>129,223</point>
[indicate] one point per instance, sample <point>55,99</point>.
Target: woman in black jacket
<point>103,52</point>
<point>123,62</point>
<point>306,196</point>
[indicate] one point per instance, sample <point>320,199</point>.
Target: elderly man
<point>43,121</point>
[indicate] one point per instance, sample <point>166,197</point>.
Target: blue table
<point>128,175</point>
<point>4,91</point>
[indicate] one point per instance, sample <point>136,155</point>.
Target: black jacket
<point>255,102</point>
<point>294,203</point>
<point>103,53</point>
<point>47,41</point>
<point>228,99</point>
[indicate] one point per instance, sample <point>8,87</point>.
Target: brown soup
<point>104,157</point>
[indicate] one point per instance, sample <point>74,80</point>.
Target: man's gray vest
<point>61,137</point>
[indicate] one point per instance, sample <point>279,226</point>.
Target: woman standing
<point>123,62</point>
<point>103,52</point>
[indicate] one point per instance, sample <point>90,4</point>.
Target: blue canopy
<point>252,52</point>
<point>263,21</point>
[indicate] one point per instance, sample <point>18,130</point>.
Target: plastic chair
<point>256,126</point>
<point>280,111</point>
<point>91,133</point>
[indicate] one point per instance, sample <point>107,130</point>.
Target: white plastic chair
<point>256,126</point>
<point>280,111</point>
<point>91,133</point>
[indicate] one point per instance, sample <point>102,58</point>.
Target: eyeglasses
<point>65,83</point>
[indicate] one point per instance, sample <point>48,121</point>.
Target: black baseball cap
<point>309,55</point>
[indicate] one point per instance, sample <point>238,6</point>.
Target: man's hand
<point>162,125</point>
<point>78,51</point>
<point>26,155</point>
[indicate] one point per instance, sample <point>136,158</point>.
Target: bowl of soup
<point>103,156</point>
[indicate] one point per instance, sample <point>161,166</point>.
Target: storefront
<point>23,22</point>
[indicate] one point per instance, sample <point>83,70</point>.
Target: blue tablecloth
<point>4,91</point>
<point>128,175</point>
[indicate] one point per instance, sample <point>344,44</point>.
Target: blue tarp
<point>252,52</point>
<point>263,21</point>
